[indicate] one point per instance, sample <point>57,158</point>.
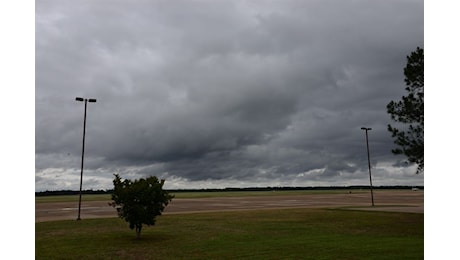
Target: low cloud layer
<point>221,93</point>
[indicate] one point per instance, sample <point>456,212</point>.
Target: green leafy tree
<point>140,201</point>
<point>409,111</point>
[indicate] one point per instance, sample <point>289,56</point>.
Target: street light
<point>369,162</point>
<point>91,100</point>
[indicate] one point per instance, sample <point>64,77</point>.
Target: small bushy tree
<point>140,201</point>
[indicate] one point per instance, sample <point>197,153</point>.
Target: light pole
<point>91,100</point>
<point>369,162</point>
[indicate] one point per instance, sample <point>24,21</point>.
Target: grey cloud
<point>205,90</point>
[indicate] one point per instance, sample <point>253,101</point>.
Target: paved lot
<point>385,200</point>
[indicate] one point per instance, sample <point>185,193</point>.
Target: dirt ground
<point>384,200</point>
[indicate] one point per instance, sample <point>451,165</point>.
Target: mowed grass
<point>261,234</point>
<point>192,195</point>
<point>204,194</point>
<point>67,198</point>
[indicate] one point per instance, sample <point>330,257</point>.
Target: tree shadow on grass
<point>145,238</point>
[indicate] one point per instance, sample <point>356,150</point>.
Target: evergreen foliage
<point>409,111</point>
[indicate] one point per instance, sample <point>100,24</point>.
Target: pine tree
<point>409,112</point>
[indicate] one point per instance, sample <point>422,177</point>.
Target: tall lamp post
<point>86,100</point>
<point>369,162</point>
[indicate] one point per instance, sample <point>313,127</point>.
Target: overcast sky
<point>215,94</point>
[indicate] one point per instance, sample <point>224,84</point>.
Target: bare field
<point>385,200</point>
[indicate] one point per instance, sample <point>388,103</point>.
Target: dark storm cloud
<point>248,91</point>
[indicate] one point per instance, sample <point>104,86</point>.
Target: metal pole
<point>82,158</point>
<point>91,100</point>
<point>369,163</point>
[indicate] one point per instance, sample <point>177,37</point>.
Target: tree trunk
<point>138,230</point>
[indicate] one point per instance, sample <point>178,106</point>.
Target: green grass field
<point>67,198</point>
<point>191,195</point>
<point>262,234</point>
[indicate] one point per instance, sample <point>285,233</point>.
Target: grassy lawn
<point>201,194</point>
<point>263,234</point>
<point>191,195</point>
<point>67,198</point>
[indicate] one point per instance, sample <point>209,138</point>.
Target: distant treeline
<point>72,192</point>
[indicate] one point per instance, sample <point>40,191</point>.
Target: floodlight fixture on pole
<point>91,100</point>
<point>369,162</point>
